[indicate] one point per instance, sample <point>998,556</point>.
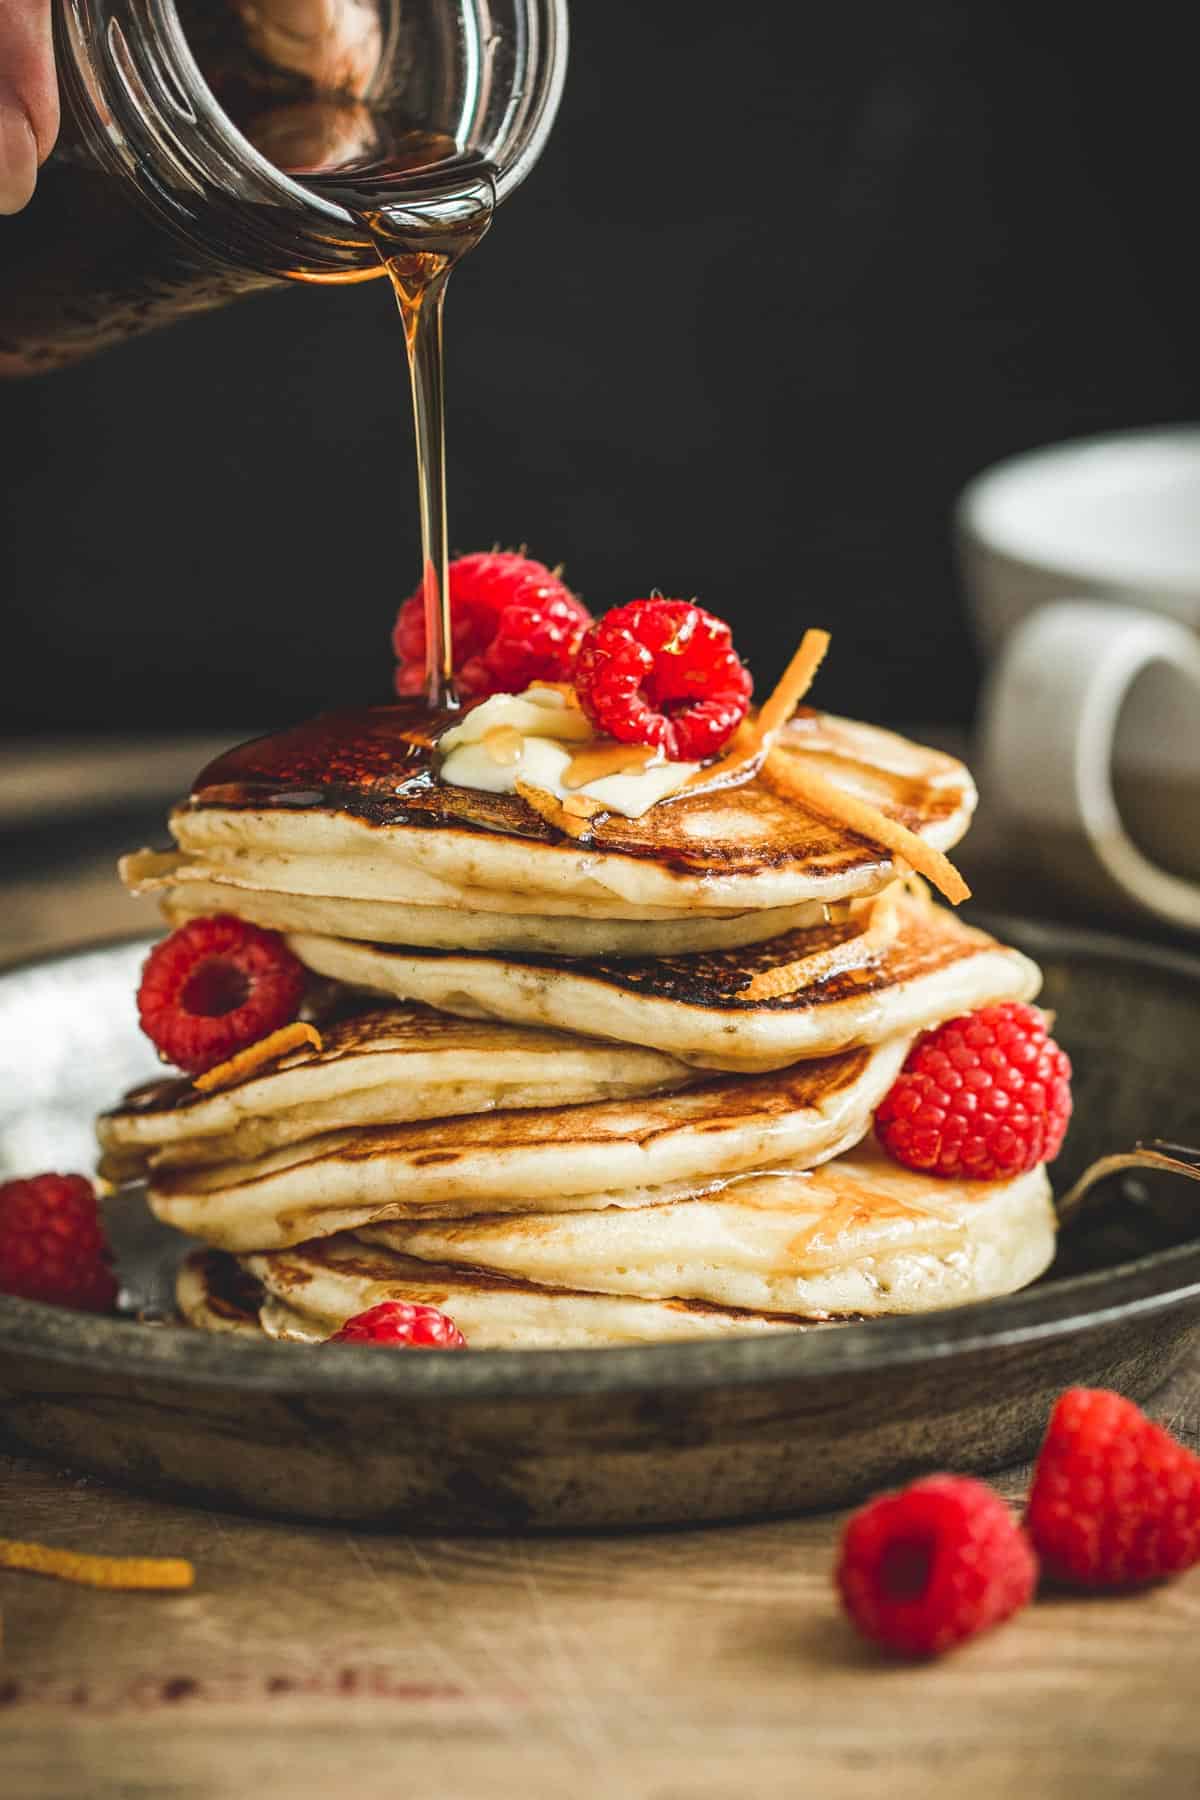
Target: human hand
<point>28,98</point>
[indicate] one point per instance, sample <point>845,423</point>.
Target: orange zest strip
<point>832,802</point>
<point>793,684</point>
<point>878,923</point>
<point>147,1572</point>
<point>743,758</point>
<point>574,818</point>
<point>254,1056</point>
<point>748,747</point>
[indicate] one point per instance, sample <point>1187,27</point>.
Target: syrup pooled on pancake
<point>362,786</point>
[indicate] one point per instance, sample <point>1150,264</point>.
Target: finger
<point>28,98</point>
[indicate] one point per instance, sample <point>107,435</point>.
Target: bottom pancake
<point>304,1295</point>
<point>855,1239</point>
<point>857,1235</point>
<point>214,1293</point>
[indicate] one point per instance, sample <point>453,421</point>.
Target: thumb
<point>28,98</point>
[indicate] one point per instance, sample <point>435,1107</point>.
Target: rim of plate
<point>1160,1282</point>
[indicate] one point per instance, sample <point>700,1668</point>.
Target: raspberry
<point>404,1324</point>
<point>215,986</point>
<point>663,672</point>
<point>513,621</point>
<point>924,1569</point>
<point>1115,1501</point>
<point>983,1097</point>
<point>52,1244</point>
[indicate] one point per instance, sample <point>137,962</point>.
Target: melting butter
<point>541,738</point>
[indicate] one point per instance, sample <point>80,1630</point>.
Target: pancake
<point>532,1160</point>
<point>805,994</point>
<point>214,1293</point>
<point>306,1294</point>
<point>857,1235</point>
<point>357,788</point>
<point>377,1066</point>
<point>194,888</point>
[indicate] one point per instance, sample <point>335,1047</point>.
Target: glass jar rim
<point>546,54</point>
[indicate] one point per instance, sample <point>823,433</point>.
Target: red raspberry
<point>513,621</point>
<point>215,986</point>
<point>983,1097</point>
<point>1115,1500</point>
<point>404,1324</point>
<point>663,672</point>
<point>927,1568</point>
<point>52,1244</point>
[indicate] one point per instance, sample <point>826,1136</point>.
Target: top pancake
<point>360,785</point>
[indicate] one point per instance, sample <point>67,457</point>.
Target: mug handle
<point>1048,724</point>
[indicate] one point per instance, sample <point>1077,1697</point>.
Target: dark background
<point>784,279</point>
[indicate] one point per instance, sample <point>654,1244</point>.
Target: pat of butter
<point>549,730</point>
<point>537,713</point>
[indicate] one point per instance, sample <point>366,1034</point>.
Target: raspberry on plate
<point>52,1244</point>
<point>404,1324</point>
<point>512,622</point>
<point>214,987</point>
<point>663,672</point>
<point>982,1098</point>
<point>924,1569</point>
<point>1115,1501</point>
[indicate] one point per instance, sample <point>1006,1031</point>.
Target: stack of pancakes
<point>580,1080</point>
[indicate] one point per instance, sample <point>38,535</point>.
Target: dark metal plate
<point>541,1439</point>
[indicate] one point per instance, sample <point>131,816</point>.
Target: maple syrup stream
<point>419,246</point>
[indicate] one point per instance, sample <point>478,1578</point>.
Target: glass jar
<point>211,148</point>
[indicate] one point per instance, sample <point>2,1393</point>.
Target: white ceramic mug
<point>1082,566</point>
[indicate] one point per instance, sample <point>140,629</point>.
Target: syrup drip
<point>504,744</point>
<point>596,761</point>
<point>419,246</point>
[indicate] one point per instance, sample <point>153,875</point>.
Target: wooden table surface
<point>690,1665</point>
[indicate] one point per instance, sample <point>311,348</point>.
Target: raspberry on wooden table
<point>52,1244</point>
<point>1115,1501</point>
<point>663,672</point>
<point>512,622</point>
<point>214,987</point>
<point>924,1569</point>
<point>982,1098</point>
<point>404,1324</point>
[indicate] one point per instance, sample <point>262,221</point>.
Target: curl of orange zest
<point>572,815</point>
<point>829,801</point>
<point>145,1572</point>
<point>255,1056</point>
<point>878,923</point>
<point>793,684</point>
<point>747,749</point>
